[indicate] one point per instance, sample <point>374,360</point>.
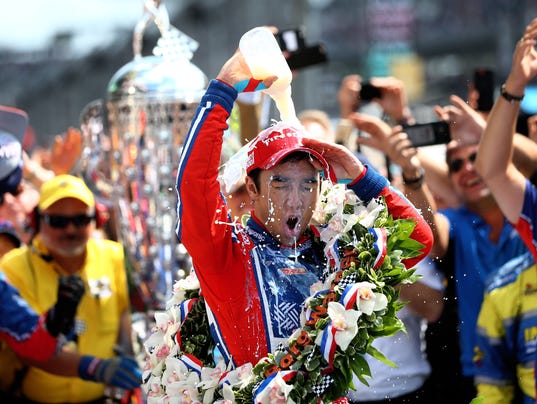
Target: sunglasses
<point>61,221</point>
<point>456,165</point>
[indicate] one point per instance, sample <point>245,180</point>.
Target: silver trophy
<point>150,104</point>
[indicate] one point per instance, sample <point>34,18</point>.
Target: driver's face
<point>286,198</point>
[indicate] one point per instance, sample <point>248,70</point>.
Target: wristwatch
<point>510,97</point>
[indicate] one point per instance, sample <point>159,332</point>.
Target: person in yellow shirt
<point>65,219</point>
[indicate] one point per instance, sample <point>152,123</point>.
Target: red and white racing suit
<point>254,287</point>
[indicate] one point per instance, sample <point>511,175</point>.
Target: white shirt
<point>407,351</point>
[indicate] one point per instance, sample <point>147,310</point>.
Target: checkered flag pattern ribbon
<point>347,281</point>
<point>311,356</point>
<point>320,388</point>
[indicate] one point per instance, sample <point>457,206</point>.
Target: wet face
<point>467,183</point>
<point>60,235</point>
<point>286,198</point>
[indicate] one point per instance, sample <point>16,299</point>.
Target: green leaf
<point>375,353</point>
<point>359,366</point>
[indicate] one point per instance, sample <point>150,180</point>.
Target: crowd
<point>471,328</point>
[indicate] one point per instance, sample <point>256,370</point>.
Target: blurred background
<point>57,56</point>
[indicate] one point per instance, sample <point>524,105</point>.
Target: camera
<point>427,134</point>
<point>299,55</point>
<point>484,84</point>
<point>368,92</point>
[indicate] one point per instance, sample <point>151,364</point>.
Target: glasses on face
<point>456,165</point>
<point>61,221</point>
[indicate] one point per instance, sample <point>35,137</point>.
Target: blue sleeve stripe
<point>217,93</point>
<point>370,185</point>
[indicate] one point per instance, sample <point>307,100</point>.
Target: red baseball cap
<point>276,142</point>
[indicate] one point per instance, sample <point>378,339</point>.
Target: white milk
<point>264,58</point>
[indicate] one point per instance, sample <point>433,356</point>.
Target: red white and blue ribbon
<point>380,244</point>
<point>286,375</point>
<point>349,295</point>
<point>332,253</point>
<point>224,379</point>
<point>191,362</point>
<point>328,344</point>
<point>178,340</point>
<point>185,307</point>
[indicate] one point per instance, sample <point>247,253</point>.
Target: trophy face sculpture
<point>150,104</point>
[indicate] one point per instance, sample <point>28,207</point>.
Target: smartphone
<point>484,84</point>
<point>368,91</point>
<point>427,134</point>
<point>299,55</point>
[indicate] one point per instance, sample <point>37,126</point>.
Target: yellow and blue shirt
<point>507,334</point>
<point>97,322</point>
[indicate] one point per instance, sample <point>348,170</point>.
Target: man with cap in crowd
<point>237,265</point>
<point>62,248</point>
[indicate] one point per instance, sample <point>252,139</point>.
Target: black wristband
<point>415,183</point>
<point>510,97</point>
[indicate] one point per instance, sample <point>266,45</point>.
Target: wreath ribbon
<point>191,362</point>
<point>379,244</point>
<point>328,344</point>
<point>286,375</point>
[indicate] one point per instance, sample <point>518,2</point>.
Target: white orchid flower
<point>276,392</point>
<point>367,301</point>
<point>229,395</point>
<point>185,390</point>
<point>345,322</point>
<point>190,282</point>
<point>368,217</point>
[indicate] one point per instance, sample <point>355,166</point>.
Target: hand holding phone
<point>368,92</point>
<point>427,134</point>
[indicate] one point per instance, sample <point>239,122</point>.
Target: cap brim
<point>46,203</point>
<point>281,154</point>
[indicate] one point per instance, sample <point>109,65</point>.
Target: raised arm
<point>394,143</point>
<point>494,159</point>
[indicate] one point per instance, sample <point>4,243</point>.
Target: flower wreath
<point>344,314</point>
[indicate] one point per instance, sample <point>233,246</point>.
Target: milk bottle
<point>264,58</point>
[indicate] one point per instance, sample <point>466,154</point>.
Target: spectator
<point>505,352</point>
<point>65,217</point>
<point>405,383</point>
<point>511,188</point>
<point>284,187</point>
<point>32,336</point>
<point>477,231</point>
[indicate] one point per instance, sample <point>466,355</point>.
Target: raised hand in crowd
<point>66,151</point>
<point>393,99</point>
<point>465,123</point>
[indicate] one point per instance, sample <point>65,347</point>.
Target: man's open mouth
<point>292,222</point>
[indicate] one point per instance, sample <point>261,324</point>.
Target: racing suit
<point>254,287</point>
